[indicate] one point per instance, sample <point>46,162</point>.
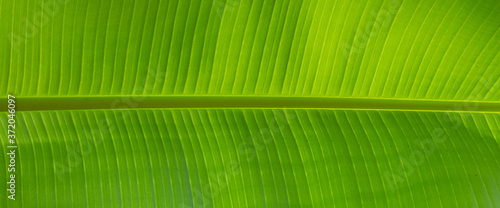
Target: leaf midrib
<point>228,101</point>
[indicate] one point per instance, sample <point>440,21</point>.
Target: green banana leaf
<point>240,103</point>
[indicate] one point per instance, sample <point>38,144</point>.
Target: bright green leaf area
<point>241,158</point>
<point>238,103</point>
